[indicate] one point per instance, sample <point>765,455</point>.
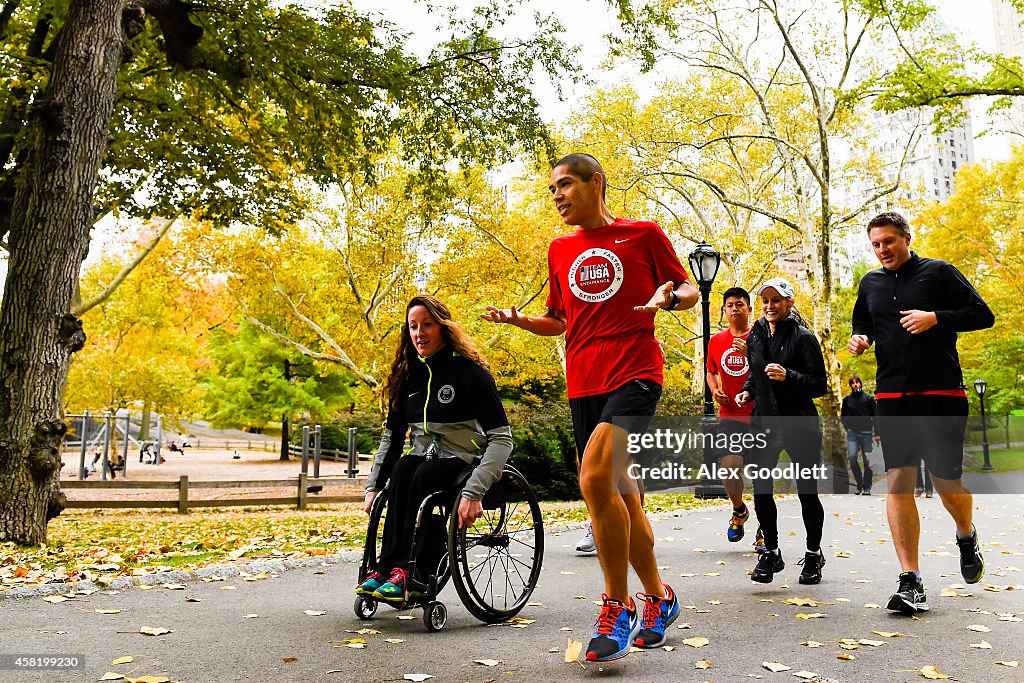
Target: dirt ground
<point>213,464</point>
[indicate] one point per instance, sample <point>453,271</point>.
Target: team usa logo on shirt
<point>596,275</point>
<point>733,363</point>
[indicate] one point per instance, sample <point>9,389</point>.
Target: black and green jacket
<point>452,407</point>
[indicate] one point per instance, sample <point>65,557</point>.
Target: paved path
<point>745,623</point>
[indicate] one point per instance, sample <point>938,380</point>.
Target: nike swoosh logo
<point>413,394</point>
<point>621,241</point>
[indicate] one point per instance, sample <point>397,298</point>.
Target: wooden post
<point>302,490</point>
<point>183,495</point>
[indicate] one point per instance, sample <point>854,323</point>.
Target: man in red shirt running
<point>599,277</point>
<point>727,370</point>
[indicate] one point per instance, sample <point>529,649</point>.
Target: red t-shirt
<point>595,278</point>
<point>732,369</point>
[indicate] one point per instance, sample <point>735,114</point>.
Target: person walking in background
<point>858,418</point>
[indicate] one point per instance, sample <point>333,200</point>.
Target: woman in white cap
<point>787,372</point>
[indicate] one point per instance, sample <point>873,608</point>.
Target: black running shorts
<point>928,428</point>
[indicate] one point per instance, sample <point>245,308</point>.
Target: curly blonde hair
<point>406,355</point>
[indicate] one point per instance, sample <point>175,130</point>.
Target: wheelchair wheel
<point>497,561</point>
<point>365,607</point>
<point>435,616</point>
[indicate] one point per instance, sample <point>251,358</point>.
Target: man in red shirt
<point>599,277</point>
<point>727,370</point>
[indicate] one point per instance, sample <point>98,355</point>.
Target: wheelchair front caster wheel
<point>365,607</point>
<point>435,616</point>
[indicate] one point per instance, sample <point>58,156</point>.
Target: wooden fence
<point>299,500</point>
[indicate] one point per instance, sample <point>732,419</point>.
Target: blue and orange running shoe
<point>374,580</point>
<point>739,518</point>
<point>617,626</point>
<point>659,613</point>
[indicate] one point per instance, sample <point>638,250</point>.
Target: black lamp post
<point>979,388</point>
<point>704,262</point>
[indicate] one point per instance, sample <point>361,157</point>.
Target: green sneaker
<point>394,589</point>
<point>374,580</point>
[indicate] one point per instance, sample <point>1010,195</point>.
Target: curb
<point>221,572</point>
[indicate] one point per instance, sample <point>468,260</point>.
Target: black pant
<point>412,480</point>
<point>804,449</point>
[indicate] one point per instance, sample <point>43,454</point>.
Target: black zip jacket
<point>452,407</point>
<point>926,361</point>
<point>795,348</point>
<point>858,413</point>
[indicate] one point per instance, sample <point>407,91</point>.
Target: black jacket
<point>452,407</point>
<point>795,348</point>
<point>858,412</point>
<point>926,361</point>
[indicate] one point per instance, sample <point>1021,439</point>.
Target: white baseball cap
<point>779,284</point>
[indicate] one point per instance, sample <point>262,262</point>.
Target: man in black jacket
<point>912,308</point>
<point>858,417</point>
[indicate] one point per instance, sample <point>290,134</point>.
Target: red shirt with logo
<point>732,369</point>
<point>595,278</point>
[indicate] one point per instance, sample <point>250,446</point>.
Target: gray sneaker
<point>587,544</point>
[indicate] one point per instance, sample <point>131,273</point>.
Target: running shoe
<point>394,589</point>
<point>739,518</point>
<point>617,626</point>
<point>374,580</point>
<point>910,596</point>
<point>812,563</point>
<point>659,613</point>
<point>767,565</point>
<point>759,541</point>
<point>587,544</point>
<point>972,564</point>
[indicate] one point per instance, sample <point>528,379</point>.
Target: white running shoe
<point>587,544</point>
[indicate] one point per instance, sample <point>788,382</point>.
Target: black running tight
<point>768,517</point>
<point>804,449</point>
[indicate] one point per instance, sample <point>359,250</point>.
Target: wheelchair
<point>494,564</point>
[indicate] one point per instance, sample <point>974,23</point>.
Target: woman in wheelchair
<point>441,390</point>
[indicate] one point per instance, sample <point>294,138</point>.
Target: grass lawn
<point>103,544</point>
<point>1002,459</point>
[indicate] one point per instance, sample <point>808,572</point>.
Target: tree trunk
<point>147,413</point>
<point>49,233</point>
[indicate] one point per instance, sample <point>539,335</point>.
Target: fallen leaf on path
<point>55,598</point>
<point>192,600</point>
<point>229,588</point>
<point>572,650</point>
<point>806,675</point>
<point>154,631</point>
<point>872,605</point>
<point>979,628</point>
<point>407,617</point>
<point>487,662</point>
<point>289,659</point>
<point>394,641</point>
<point>174,586</point>
<point>149,679</point>
<point>250,616</point>
<point>668,648</point>
<point>697,641</point>
<point>108,611</point>
<point>812,643</point>
<point>804,602</point>
<point>314,613</point>
<point>127,659</point>
<point>846,655</point>
<point>567,573</point>
<point>684,625</point>
<point>983,645</point>
<point>931,673</point>
<point>812,615</point>
<point>872,643</point>
<point>354,643</point>
<point>1012,664</point>
<point>775,667</point>
<point>111,676</point>
<point>890,634</point>
<point>702,664</point>
<point>418,678</point>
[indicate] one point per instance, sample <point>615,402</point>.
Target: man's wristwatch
<point>675,302</point>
